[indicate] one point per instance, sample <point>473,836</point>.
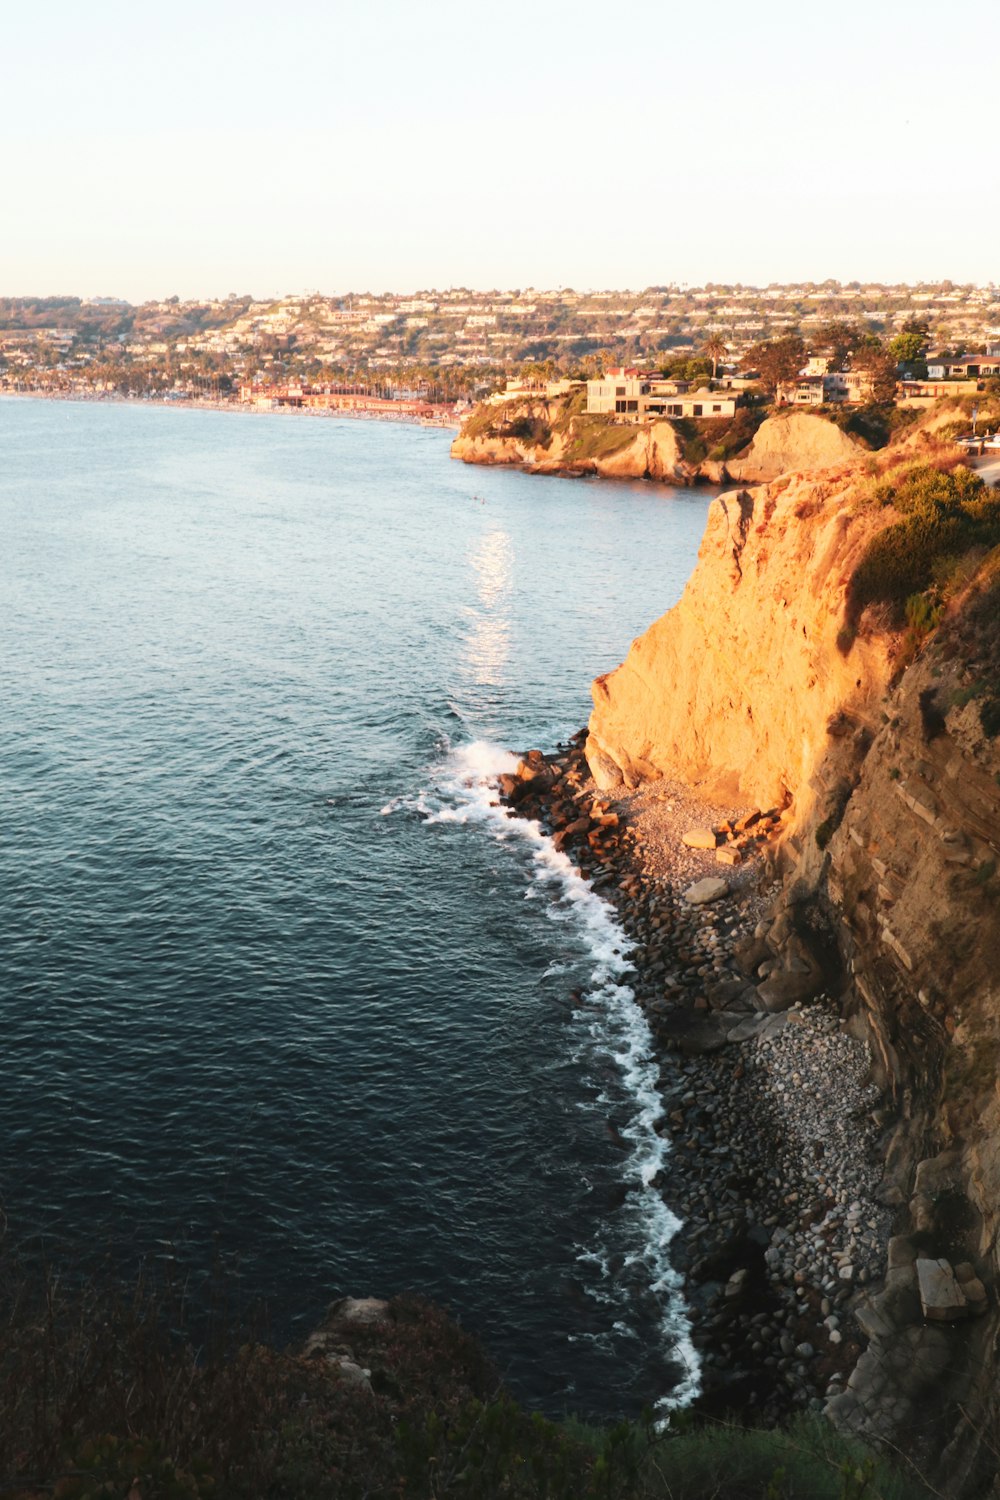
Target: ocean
<point>280,983</point>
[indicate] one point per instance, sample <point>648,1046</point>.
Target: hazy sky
<point>202,148</point>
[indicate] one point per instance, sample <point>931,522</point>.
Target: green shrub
<point>945,514</point>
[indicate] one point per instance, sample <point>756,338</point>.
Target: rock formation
<point>549,437</point>
<point>794,441</point>
<point>541,436</point>
<point>742,688</point>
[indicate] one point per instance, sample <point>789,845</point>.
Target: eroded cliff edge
<point>557,436</point>
<point>786,678</point>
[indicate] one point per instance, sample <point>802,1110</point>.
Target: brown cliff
<point>793,441</point>
<point>735,688</point>
<point>884,747</point>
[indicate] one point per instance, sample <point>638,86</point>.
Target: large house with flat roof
<point>633,395</point>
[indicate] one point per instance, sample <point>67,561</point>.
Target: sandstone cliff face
<point>888,759</point>
<point>912,888</point>
<point>742,688</point>
<point>798,441</point>
<point>648,452</point>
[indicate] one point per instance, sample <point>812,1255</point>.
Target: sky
<point>197,149</point>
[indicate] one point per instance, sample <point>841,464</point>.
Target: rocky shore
<point>768,1103</point>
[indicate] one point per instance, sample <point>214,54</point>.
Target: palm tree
<point>715,350</point>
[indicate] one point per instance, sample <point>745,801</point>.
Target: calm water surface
<point>276,977</point>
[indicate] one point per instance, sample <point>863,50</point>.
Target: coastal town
<point>692,351</point>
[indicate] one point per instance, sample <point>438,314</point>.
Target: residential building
<point>965,367</point>
<point>839,387</point>
<point>623,391</point>
<point>700,403</point>
<point>926,392</point>
<point>805,390</point>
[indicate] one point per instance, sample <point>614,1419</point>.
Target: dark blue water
<point>275,976</point>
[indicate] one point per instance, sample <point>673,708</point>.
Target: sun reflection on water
<point>488,647</point>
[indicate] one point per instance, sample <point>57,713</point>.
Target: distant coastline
<point>188,403</point>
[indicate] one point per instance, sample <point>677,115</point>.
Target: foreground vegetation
<point>104,1394</point>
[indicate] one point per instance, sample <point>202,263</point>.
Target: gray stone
<point>358,1310</point>
<point>902,1252</point>
<point>782,989</point>
<point>871,1321</point>
<point>941,1297</point>
<point>350,1372</point>
<point>939,1174</point>
<point>746,1029</point>
<point>712,888</point>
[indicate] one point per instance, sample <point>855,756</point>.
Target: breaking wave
<point>628,1272</point>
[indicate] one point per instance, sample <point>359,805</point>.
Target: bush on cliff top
<point>944,515</point>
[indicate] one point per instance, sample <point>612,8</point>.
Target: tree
<point>775,360</point>
<point>919,326</point>
<point>715,350</point>
<point>907,348</point>
<point>880,364</point>
<point>840,338</point>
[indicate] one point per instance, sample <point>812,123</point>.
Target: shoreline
<point>773,1172</point>
<point>193,404</point>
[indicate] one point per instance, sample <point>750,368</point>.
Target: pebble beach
<point>771,1114</point>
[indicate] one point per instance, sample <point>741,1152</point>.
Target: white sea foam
<point>611,1028</point>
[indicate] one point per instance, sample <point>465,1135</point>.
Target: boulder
<point>941,1298</point>
<point>357,1310</point>
<point>782,989</point>
<point>728,856</point>
<point>693,1033</point>
<point>712,888</point>
<point>699,838</point>
<point>351,1372</point>
<point>750,954</point>
<point>902,1252</point>
<point>939,1174</point>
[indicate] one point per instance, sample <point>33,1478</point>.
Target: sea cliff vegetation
<point>106,1393</point>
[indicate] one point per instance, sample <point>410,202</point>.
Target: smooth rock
<point>941,1297</point>
<point>712,888</point>
<point>699,838</point>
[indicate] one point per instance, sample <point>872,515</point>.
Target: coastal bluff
<point>784,678</point>
<point>734,688</point>
<point>556,436</point>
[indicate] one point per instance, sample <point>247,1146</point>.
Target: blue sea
<point>279,982</point>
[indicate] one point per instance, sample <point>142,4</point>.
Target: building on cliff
<point>812,388</point>
<point>634,395</point>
